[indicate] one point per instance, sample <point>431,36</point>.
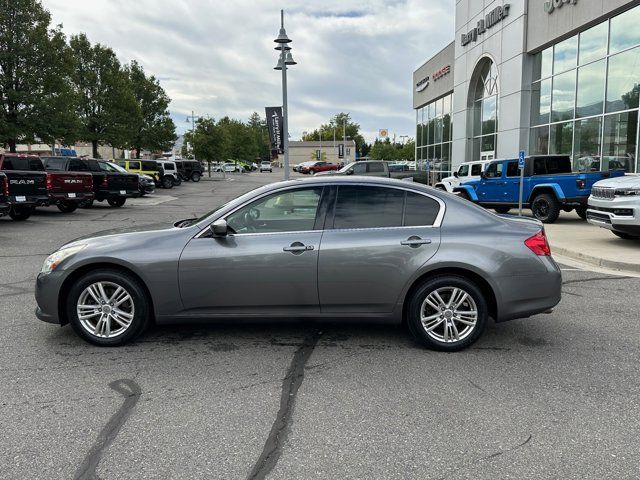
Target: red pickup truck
<point>66,190</point>
<point>319,167</point>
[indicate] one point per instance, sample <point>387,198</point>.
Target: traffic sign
<point>521,160</point>
<point>521,167</point>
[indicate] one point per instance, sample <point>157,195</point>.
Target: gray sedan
<point>325,248</point>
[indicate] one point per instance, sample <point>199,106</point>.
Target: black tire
<point>582,212</point>
<point>502,210</point>
<point>167,182</point>
<point>138,296</point>
<point>20,214</point>
<point>625,236</point>
<point>195,177</point>
<point>67,207</point>
<point>177,182</point>
<point>545,208</point>
<point>444,282</point>
<point>116,202</point>
<point>87,204</point>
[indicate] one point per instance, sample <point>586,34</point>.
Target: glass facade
<point>433,138</point>
<point>485,112</point>
<point>585,96</point>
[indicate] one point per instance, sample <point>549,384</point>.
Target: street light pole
<point>285,59</point>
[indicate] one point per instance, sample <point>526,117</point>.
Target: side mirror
<point>219,228</point>
<point>455,174</point>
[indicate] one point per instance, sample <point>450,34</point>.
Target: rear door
<point>377,239</point>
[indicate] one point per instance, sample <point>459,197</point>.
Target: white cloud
<point>216,57</point>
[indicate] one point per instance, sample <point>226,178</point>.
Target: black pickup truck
<point>27,187</point>
<point>113,187</point>
<point>4,194</point>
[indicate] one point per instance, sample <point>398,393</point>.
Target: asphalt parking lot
<point>554,396</point>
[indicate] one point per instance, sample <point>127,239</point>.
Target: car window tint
<point>368,207</point>
<point>557,165</point>
<point>494,170</point>
<point>512,169</point>
<point>539,166</point>
<point>359,168</point>
<point>148,165</point>
<point>289,211</point>
<point>56,164</point>
<point>376,168</point>
<point>77,165</point>
<point>93,165</point>
<point>420,210</point>
<point>476,169</point>
<point>463,171</point>
<point>168,166</point>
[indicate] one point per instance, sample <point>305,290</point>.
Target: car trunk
<point>69,182</point>
<point>23,183</point>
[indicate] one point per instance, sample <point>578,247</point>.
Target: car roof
<point>353,179</point>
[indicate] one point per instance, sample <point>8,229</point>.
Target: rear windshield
<point>56,164</point>
<point>22,163</point>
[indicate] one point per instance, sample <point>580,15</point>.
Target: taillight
<point>49,181</point>
<point>580,184</point>
<point>105,181</point>
<point>538,244</point>
<point>5,186</point>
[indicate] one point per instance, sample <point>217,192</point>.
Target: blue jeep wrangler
<point>549,186</point>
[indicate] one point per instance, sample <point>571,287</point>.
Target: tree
<point>153,128</point>
<point>35,94</point>
<point>107,108</point>
<point>340,125</point>
<point>258,127</point>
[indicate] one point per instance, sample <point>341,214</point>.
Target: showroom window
<point>584,100</point>
<point>485,111</point>
<point>433,138</point>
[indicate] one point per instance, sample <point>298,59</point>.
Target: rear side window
<point>420,210</point>
<point>56,164</point>
<point>77,165</point>
<point>149,166</point>
<point>376,168</point>
<point>21,163</point>
<point>512,169</point>
<point>359,168</point>
<point>368,207</point>
<point>168,166</point>
<point>134,165</point>
<point>476,169</point>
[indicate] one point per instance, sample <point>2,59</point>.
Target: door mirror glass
<point>219,228</point>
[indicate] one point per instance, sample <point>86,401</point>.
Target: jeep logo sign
<point>551,5</point>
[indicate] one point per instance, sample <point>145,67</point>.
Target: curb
<point>595,261</point>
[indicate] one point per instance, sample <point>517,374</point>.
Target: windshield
<point>111,167</point>
<point>346,167</point>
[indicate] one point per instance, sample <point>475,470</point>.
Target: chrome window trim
<point>436,224</point>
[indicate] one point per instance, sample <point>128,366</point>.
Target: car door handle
<point>298,247</point>
<point>415,241</point>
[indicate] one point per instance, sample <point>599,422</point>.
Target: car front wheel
<point>107,308</point>
<point>447,313</point>
<point>545,208</point>
<point>67,207</point>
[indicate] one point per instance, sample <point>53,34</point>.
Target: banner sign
<point>341,150</point>
<point>274,124</point>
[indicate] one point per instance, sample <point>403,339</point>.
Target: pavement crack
<point>131,392</point>
<point>593,279</point>
<point>282,425</point>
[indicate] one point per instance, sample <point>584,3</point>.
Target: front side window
<point>494,170</point>
<point>463,171</point>
<point>368,207</point>
<point>359,168</point>
<point>513,170</point>
<point>288,211</point>
<point>476,169</point>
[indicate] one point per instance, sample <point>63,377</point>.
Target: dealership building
<point>543,76</point>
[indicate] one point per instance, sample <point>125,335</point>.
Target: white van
<point>466,171</point>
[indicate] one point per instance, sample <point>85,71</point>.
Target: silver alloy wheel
<point>105,309</point>
<point>449,314</point>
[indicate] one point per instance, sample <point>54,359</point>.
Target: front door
<point>492,185</point>
<point>511,188</point>
<point>378,238</point>
<point>267,264</point>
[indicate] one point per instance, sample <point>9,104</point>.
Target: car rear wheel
<point>107,308</point>
<point>447,313</point>
<point>20,213</point>
<point>177,182</point>
<point>167,182</point>
<point>116,202</point>
<point>582,212</point>
<point>625,236</point>
<point>545,208</point>
<point>195,177</point>
<point>67,207</point>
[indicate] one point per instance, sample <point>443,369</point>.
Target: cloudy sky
<point>216,56</point>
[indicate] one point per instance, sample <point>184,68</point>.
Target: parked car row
<point>30,181</point>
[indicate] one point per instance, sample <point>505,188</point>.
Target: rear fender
<point>553,187</point>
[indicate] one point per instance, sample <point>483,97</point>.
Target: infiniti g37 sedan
<point>324,248</point>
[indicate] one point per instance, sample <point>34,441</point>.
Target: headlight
<point>53,260</point>
<point>627,192</point>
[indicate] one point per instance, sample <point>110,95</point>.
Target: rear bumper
<point>77,197</point>
<point>525,295</point>
<point>118,193</point>
<point>28,200</point>
<point>576,201</point>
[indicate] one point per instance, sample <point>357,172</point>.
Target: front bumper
<point>522,296</point>
<point>620,214</point>
<point>47,292</point>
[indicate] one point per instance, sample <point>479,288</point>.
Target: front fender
<point>469,190</point>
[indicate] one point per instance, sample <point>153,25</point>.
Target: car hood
<point>627,181</point>
<point>128,234</point>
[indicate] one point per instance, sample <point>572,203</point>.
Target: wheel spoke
<point>99,325</point>
<point>95,294</point>
<point>465,322</point>
<point>121,299</point>
<point>441,302</point>
<point>115,294</point>
<point>103,294</point>
<point>453,298</point>
<point>456,334</point>
<point>446,332</point>
<point>86,316</point>
<point>432,304</point>
<point>463,298</point>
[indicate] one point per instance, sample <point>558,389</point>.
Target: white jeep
<point>466,171</point>
<point>614,204</point>
<point>171,177</point>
